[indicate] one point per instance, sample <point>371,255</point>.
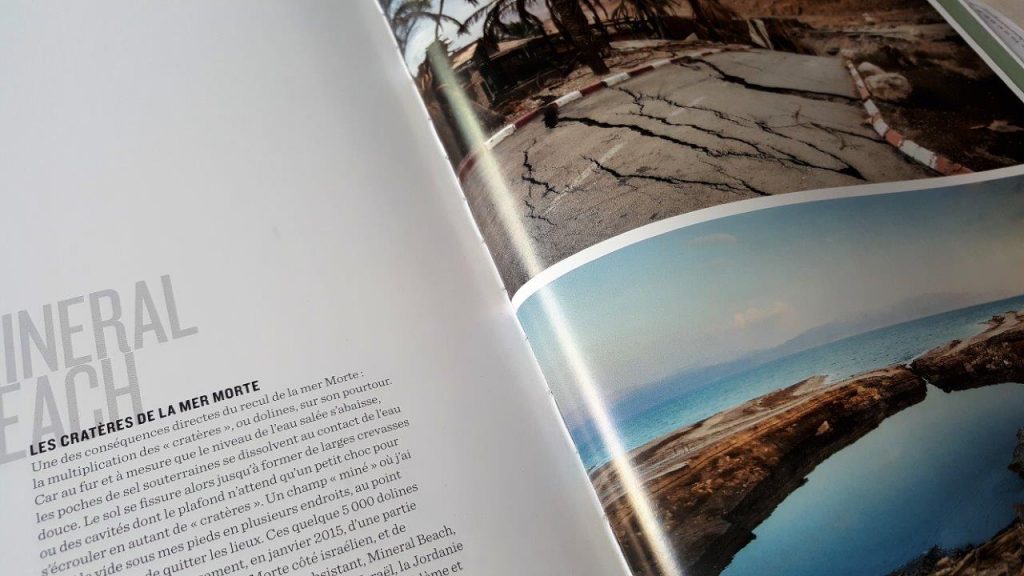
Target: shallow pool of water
<point>933,474</point>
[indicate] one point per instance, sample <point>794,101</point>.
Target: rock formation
<point>994,356</point>
<point>1003,554</point>
<point>1017,462</point>
<point>868,69</point>
<point>889,86</point>
<point>715,481</point>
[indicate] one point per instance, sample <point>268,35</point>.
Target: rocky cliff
<point>712,490</point>
<point>1017,461</point>
<point>1001,555</point>
<point>713,482</point>
<point>996,355</point>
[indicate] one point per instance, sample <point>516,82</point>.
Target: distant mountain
<point>907,310</point>
<point>921,306</point>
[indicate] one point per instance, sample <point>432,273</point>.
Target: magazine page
<point>825,382</point>
<point>234,339</point>
<point>571,122</point>
<point>994,27</point>
<point>769,257</point>
<point>1004,19</point>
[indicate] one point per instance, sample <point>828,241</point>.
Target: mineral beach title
<point>75,359</point>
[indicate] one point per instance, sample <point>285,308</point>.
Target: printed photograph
<point>573,121</point>
<point>1003,19</point>
<point>831,387</point>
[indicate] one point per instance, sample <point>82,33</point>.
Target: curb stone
<point>911,149</point>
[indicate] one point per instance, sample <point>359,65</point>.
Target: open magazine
<point>506,287</point>
<point>1003,19</point>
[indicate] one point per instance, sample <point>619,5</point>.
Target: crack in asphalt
<point>534,215</point>
<point>761,152</point>
<point>847,169</point>
<point>623,178</point>
<point>532,180</point>
<point>529,177</point>
<point>751,148</point>
<point>764,152</point>
<point>797,123</point>
<point>833,131</point>
<point>772,154</point>
<point>593,123</point>
<point>692,63</point>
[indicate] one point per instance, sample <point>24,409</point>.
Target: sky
<point>423,34</point>
<point>721,290</point>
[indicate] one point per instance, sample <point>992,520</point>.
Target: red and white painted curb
<point>565,100</point>
<point>918,153</point>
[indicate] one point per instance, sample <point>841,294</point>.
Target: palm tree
<point>437,23</point>
<point>717,21</point>
<point>714,19</point>
<point>649,11</point>
<point>592,6</point>
<point>405,15</point>
<point>493,14</point>
<point>569,18</point>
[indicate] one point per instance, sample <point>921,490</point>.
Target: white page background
<point>273,158</point>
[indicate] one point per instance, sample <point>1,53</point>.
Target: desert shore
<point>715,481</point>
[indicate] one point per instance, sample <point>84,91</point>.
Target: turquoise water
<point>681,402</point>
<point>933,474</point>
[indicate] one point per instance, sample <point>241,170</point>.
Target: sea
<point>934,474</point>
<point>681,402</point>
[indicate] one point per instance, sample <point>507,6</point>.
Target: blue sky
<point>721,290</point>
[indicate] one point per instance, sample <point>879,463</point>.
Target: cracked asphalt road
<point>706,131</point>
